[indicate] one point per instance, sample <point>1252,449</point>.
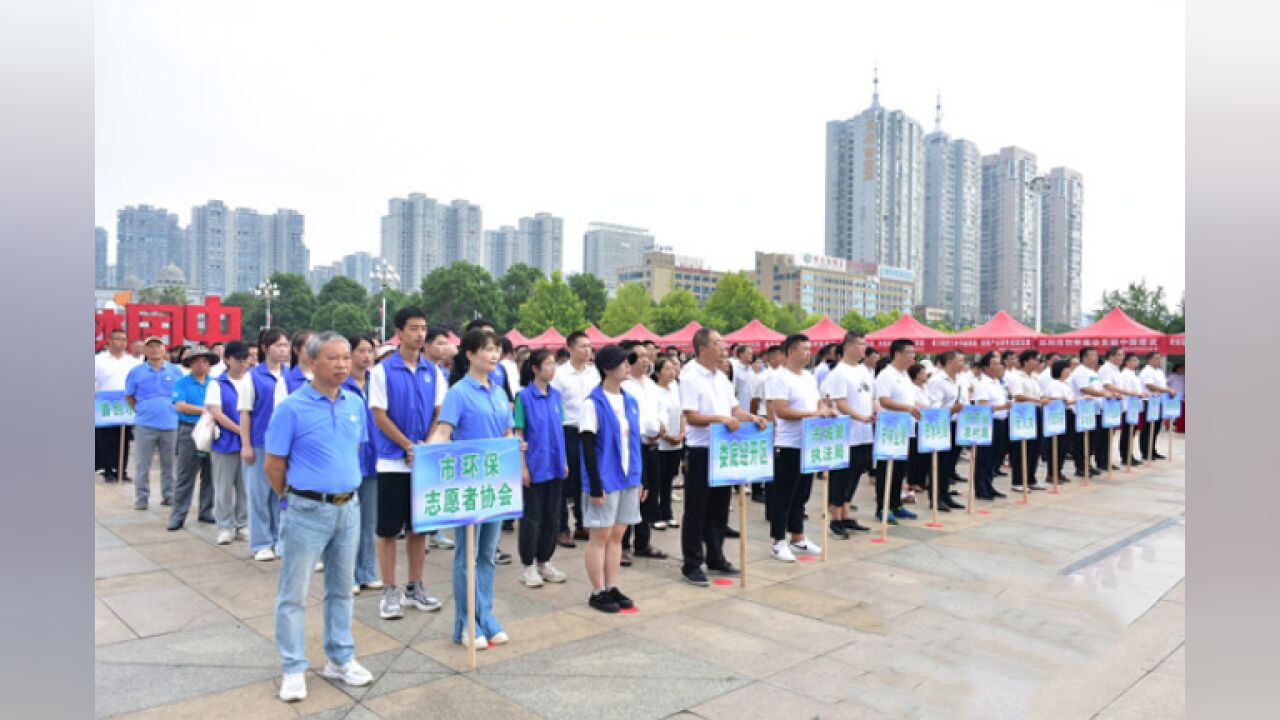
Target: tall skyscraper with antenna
<point>952,223</point>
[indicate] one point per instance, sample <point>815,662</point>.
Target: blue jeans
<point>487,544</point>
<point>367,556</point>
<point>317,531</point>
<point>264,504</point>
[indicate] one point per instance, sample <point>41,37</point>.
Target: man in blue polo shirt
<point>313,447</point>
<point>149,391</point>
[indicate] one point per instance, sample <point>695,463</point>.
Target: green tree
<point>591,291</point>
<point>941,326</point>
<point>395,301</point>
<point>517,284</point>
<point>736,302</point>
<point>675,310</point>
<point>163,295</point>
<point>631,305</point>
<point>342,289</point>
<point>791,318</point>
<point>853,321</point>
<point>253,313</point>
<point>292,310</point>
<point>458,294</point>
<point>885,319</point>
<point>346,318</point>
<point>1146,305</point>
<point>551,304</point>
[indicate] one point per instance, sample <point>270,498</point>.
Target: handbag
<point>205,432</point>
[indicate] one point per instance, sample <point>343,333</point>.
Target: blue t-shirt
<point>321,439</point>
<point>190,391</point>
<point>152,393</point>
<point>476,412</point>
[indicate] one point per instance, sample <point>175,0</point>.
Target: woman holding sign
<point>793,396</point>
<point>1057,389</point>
<point>476,409</point>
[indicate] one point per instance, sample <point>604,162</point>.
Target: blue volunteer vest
<point>294,379</point>
<point>368,454</point>
<point>609,447</point>
<point>264,403</point>
<point>411,400</point>
<point>227,441</point>
<point>544,433</point>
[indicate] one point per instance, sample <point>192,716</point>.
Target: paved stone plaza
<point>1069,607</point>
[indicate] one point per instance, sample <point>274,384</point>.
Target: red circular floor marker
<point>629,611</point>
<point>1054,492</point>
<point>877,541</point>
<point>807,558</point>
<point>984,512</point>
<point>933,524</point>
<point>1021,502</point>
<point>722,581</point>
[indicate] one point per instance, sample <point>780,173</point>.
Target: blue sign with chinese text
<point>826,443</point>
<point>1022,422</point>
<point>110,409</point>
<point>465,482</point>
<point>1133,410</point>
<point>1055,418</point>
<point>935,430</point>
<point>1086,415</point>
<point>892,435</point>
<point>745,456</point>
<point>1173,407</point>
<point>973,426</point>
<point>1112,414</point>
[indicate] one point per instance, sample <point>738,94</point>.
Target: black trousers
<point>1033,453</point>
<point>537,539</point>
<point>706,515</point>
<point>919,465</point>
<point>1066,443</point>
<point>1125,448</point>
<point>669,464</point>
<point>894,483</point>
<point>1146,439</point>
<point>947,467</point>
<point>106,449</point>
<point>1076,443</point>
<point>989,458</point>
<point>844,482</point>
<point>789,494</point>
<point>1101,442</point>
<point>572,487</point>
<point>650,477</point>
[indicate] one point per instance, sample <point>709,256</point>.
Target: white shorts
<point>621,507</point>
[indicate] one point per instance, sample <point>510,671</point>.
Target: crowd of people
<point>311,462</point>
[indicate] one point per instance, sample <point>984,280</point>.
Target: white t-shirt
<point>821,371</point>
<point>993,393</point>
<point>110,372</point>
<point>377,392</point>
<point>574,387</point>
<point>943,392</point>
<point>213,392</point>
<point>706,392</point>
<point>896,386</point>
<point>758,387</point>
<point>854,384</point>
<point>964,381</point>
<point>669,410</point>
<point>645,391</point>
<point>1129,381</point>
<point>1081,378</point>
<point>247,396</point>
<point>588,422</point>
<point>1024,384</point>
<point>1058,390</point>
<point>218,370</point>
<point>1109,375</point>
<point>1152,376</point>
<point>800,391</point>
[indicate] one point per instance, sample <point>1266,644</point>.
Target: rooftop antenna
<point>875,87</point>
<point>937,114</point>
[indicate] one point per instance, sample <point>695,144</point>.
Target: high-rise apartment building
<point>322,274</point>
<point>501,250</point>
<point>463,234</point>
<point>247,244</point>
<point>952,224</point>
<point>1061,206</point>
<point>359,267</point>
<point>100,258</point>
<point>413,238</point>
<point>209,248</point>
<point>146,238</point>
<point>1010,255</point>
<point>607,249</point>
<point>875,189</point>
<point>541,242</point>
<point>286,251</point>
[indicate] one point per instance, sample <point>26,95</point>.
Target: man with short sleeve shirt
<point>189,401</point>
<point>574,381</point>
<point>1024,386</point>
<point>989,390</point>
<point>707,399</point>
<point>645,391</point>
<point>895,392</point>
<point>793,396</point>
<point>110,368</point>
<point>1086,384</point>
<point>849,385</point>
<point>148,389</point>
<point>943,391</point>
<point>1153,379</point>
<point>313,447</point>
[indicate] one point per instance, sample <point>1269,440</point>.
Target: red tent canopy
<point>1177,344</point>
<point>907,327</point>
<point>682,338</point>
<point>549,339</point>
<point>1115,328</point>
<point>597,336</point>
<point>1000,332</point>
<point>824,332</point>
<point>639,332</point>
<point>517,338</point>
<point>755,335</point>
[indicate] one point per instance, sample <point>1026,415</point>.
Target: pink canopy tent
<point>754,335</point>
<point>550,339</point>
<point>999,333</point>
<point>824,332</point>
<point>597,336</point>
<point>907,327</point>
<point>1177,344</point>
<point>682,338</point>
<point>516,337</point>
<point>640,333</point>
<point>1115,328</point>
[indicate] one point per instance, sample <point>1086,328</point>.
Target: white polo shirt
<point>574,387</point>
<point>110,372</point>
<point>898,387</point>
<point>1081,378</point>
<point>993,393</point>
<point>744,383</point>
<point>942,391</point>
<point>854,384</point>
<point>800,391</point>
<point>645,391</point>
<point>1109,375</point>
<point>706,392</point>
<point>1129,381</point>
<point>1058,390</point>
<point>1152,376</point>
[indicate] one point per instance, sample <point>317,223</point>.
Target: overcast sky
<point>703,122</point>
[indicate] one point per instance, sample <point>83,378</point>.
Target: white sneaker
<point>416,595</point>
<point>782,552</point>
<point>293,687</point>
<point>805,547</point>
<point>319,567</point>
<point>500,639</point>
<point>551,574</point>
<point>265,555</point>
<point>242,533</point>
<point>531,578</point>
<point>353,673</point>
<point>442,541</point>
<point>482,643</point>
<point>355,589</point>
<point>226,536</point>
<point>389,607</point>
<point>375,585</point>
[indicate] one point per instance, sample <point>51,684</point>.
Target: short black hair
<point>1084,351</point>
<point>1112,352</point>
<point>702,339</point>
<point>1153,354</point>
<point>562,355</point>
<point>236,350</point>
<point>355,340</point>
<point>793,340</point>
<point>851,337</point>
<point>1007,354</point>
<point>945,357</point>
<point>1060,368</point>
<point>435,331</point>
<point>1129,356</point>
<point>407,313</point>
<point>914,371</point>
<point>898,346</point>
<point>269,337</point>
<point>1028,354</point>
<point>118,331</point>
<point>773,349</point>
<point>871,352</point>
<point>480,324</point>
<point>574,337</point>
<point>987,359</point>
<point>737,350</point>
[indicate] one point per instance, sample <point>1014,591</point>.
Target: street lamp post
<point>385,275</point>
<point>267,290</point>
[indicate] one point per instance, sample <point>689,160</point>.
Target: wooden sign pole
<point>471,594</point>
<point>1128,460</point>
<point>1111,445</point>
<point>826,510</point>
<point>1026,481</point>
<point>742,534</point>
<point>1151,442</point>
<point>973,464</point>
<point>884,512</point>
<point>933,488</point>
<point>120,468</point>
<point>1171,440</point>
<point>1053,458</point>
<point>1088,461</point>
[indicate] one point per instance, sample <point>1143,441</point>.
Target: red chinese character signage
<point>178,324</point>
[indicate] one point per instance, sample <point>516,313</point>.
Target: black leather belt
<point>338,499</point>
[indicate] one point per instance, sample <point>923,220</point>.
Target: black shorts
<point>393,504</point>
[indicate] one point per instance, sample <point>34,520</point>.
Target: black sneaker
<point>856,526</point>
<point>604,601</point>
<point>501,558</point>
<point>696,577</point>
<point>726,569</point>
<point>731,533</point>
<point>838,529</point>
<point>623,601</point>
